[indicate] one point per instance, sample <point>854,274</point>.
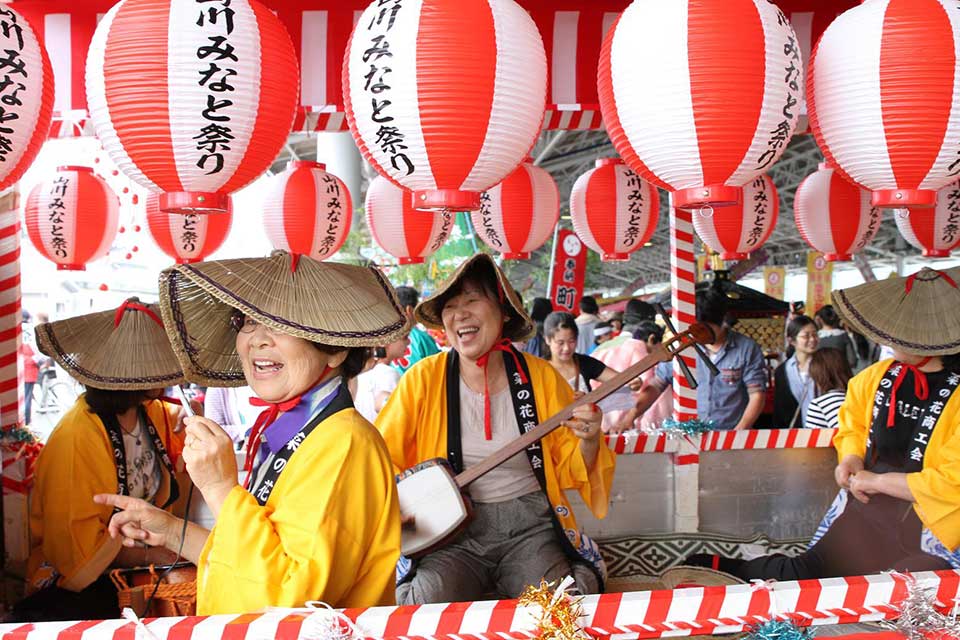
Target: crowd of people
<point>323,386</point>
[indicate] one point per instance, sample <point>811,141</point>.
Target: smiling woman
<point>296,332</point>
<point>468,403</point>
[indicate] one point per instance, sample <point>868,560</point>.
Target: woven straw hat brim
<point>923,322</point>
<point>674,577</point>
<point>333,304</point>
<point>519,329</point>
<point>134,356</point>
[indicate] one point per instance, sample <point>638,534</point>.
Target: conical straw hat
<point>328,303</point>
<point>687,576</point>
<point>519,327</point>
<point>122,349</point>
<point>918,315</point>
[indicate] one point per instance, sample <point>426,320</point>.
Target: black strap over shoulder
<point>115,435</point>
<point>452,381</point>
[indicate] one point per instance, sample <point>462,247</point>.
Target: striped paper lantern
<point>192,100</point>
<point>614,211</point>
<point>26,96</point>
<point>889,116</point>
<point>72,218</point>
<point>405,233</point>
<point>935,233</point>
<point>307,211</point>
<point>700,96</point>
<point>443,118</point>
<point>517,216</point>
<point>736,231</point>
<point>187,237</point>
<point>833,215</point>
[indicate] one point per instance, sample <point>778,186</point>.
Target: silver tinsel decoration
<point>919,618</point>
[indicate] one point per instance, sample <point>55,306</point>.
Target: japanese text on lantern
<point>486,219</point>
<point>334,213</point>
<point>55,213</point>
<point>446,226</point>
<point>14,70</point>
<point>792,78</point>
<point>872,225</point>
<point>188,235</point>
<point>761,211</point>
<point>634,208</point>
<point>390,138</point>
<point>217,62</point>
<point>952,227</point>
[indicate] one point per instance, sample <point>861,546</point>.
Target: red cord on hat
<point>940,274</point>
<point>134,306</point>
<point>266,418</point>
<point>920,386</point>
<point>482,362</point>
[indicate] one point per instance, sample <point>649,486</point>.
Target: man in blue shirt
<point>732,400</point>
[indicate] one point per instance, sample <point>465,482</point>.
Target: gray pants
<point>508,546</point>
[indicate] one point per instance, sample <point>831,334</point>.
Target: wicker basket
<point>176,595</point>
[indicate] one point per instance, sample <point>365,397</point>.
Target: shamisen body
<point>318,519</point>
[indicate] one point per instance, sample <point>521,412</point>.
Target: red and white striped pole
<point>11,374</point>
<point>683,283</point>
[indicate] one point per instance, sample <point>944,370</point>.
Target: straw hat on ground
<point>333,304</point>
<point>123,349</point>
<point>918,315</point>
<point>688,576</point>
<point>519,326</point>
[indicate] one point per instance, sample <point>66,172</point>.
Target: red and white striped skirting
<point>648,614</point>
<point>635,443</point>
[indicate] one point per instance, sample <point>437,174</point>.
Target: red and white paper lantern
<point>192,100</point>
<point>517,216</point>
<point>398,228</point>
<point>187,237</point>
<point>445,98</point>
<point>889,116</point>
<point>736,231</point>
<point>72,218</point>
<point>833,215</point>
<point>26,96</point>
<point>308,211</point>
<point>614,211</point>
<point>935,232</point>
<point>700,96</point>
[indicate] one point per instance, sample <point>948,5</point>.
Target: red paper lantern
<point>72,218</point>
<point>26,96</point>
<point>307,211</point>
<point>518,215</point>
<point>935,232</point>
<point>187,237</point>
<point>889,116</point>
<point>193,100</point>
<point>736,231</point>
<point>833,215</point>
<point>398,228</point>
<point>445,98</point>
<point>614,211</point>
<point>700,96</point>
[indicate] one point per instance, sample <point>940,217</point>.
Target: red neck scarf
<point>266,418</point>
<point>482,362</point>
<point>920,386</point>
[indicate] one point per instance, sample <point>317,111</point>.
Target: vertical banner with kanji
<point>569,272</point>
<point>775,282</point>
<point>819,282</point>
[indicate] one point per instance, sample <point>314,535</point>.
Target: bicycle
<point>53,394</point>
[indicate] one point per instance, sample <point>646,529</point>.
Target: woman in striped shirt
<point>830,372</point>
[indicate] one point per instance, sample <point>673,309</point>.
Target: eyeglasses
<point>806,336</point>
<point>245,324</point>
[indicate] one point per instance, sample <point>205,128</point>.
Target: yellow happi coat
<point>330,530</point>
<point>414,425</point>
<point>69,543</point>
<point>936,489</point>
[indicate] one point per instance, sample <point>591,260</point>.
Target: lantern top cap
<point>603,162</point>
<point>305,164</point>
<point>72,167</point>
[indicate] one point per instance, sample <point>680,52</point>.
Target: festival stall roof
<point>744,302</point>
